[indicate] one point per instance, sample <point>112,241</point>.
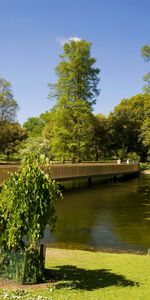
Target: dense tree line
<point>120,135</point>
<point>11,133</point>
<point>70,130</point>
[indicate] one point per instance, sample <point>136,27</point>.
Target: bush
<point>145,166</point>
<point>27,204</point>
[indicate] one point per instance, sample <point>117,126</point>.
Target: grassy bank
<point>88,275</point>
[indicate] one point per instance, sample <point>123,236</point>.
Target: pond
<point>112,216</point>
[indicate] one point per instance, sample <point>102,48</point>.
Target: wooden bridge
<point>63,172</point>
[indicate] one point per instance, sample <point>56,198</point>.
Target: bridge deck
<point>63,172</point>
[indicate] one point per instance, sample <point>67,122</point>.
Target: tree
<point>146,55</point>
<point>126,123</point>
<point>100,142</point>
<point>145,130</point>
<point>27,204</point>
<point>8,105</point>
<point>37,145</point>
<point>35,125</point>
<point>10,137</point>
<point>76,91</point>
<point>11,132</point>
<point>145,134</point>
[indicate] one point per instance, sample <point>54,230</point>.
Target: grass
<point>91,276</point>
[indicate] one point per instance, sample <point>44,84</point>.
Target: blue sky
<point>29,47</point>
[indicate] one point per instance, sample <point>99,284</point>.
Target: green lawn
<point>91,275</point>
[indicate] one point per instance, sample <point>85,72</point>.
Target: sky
<point>31,32</point>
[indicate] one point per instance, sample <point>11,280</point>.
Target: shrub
<point>27,205</point>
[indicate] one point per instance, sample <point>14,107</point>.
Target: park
<point>75,184</point>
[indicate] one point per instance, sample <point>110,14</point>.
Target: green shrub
<point>145,166</point>
<point>27,205</point>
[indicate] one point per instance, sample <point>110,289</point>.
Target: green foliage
<point>145,166</point>
<point>145,51</point>
<point>77,78</point>
<point>133,156</point>
<point>33,266</point>
<point>70,133</point>
<point>8,105</point>
<point>12,265</point>
<point>145,130</point>
<point>126,126</point>
<point>147,85</point>
<point>11,135</point>
<point>35,125</point>
<point>37,145</point>
<point>71,126</point>
<point>101,138</point>
<point>27,205</point>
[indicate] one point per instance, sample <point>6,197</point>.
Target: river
<point>111,217</point>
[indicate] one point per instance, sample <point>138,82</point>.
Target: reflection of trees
<point>115,212</point>
<point>132,218</point>
<point>76,217</point>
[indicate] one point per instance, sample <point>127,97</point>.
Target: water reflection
<point>109,216</point>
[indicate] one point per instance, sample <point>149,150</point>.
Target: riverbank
<point>145,172</point>
<point>77,275</point>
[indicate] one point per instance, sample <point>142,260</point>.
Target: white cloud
<point>74,38</point>
<point>62,40</point>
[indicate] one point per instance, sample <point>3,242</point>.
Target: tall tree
<point>76,91</point>
<point>11,133</point>
<point>8,105</point>
<point>145,134</point>
<point>145,51</point>
<point>101,138</point>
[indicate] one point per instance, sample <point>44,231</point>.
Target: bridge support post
<point>115,178</point>
<point>89,182</point>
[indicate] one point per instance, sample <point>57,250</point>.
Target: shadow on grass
<point>77,278</point>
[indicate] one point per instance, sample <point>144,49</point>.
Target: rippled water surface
<point>110,216</point>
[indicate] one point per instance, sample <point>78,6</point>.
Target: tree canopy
<point>126,123</point>
<point>145,130</point>
<point>75,92</point>
<point>10,137</point>
<point>34,125</point>
<point>11,133</point>
<point>8,105</point>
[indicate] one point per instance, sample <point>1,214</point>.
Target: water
<point>113,216</point>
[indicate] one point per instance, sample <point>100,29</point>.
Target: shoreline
<point>105,250</point>
<point>147,172</point>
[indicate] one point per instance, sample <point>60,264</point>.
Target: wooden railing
<point>72,171</point>
<point>62,172</point>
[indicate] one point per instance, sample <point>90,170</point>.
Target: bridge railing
<point>62,172</point>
